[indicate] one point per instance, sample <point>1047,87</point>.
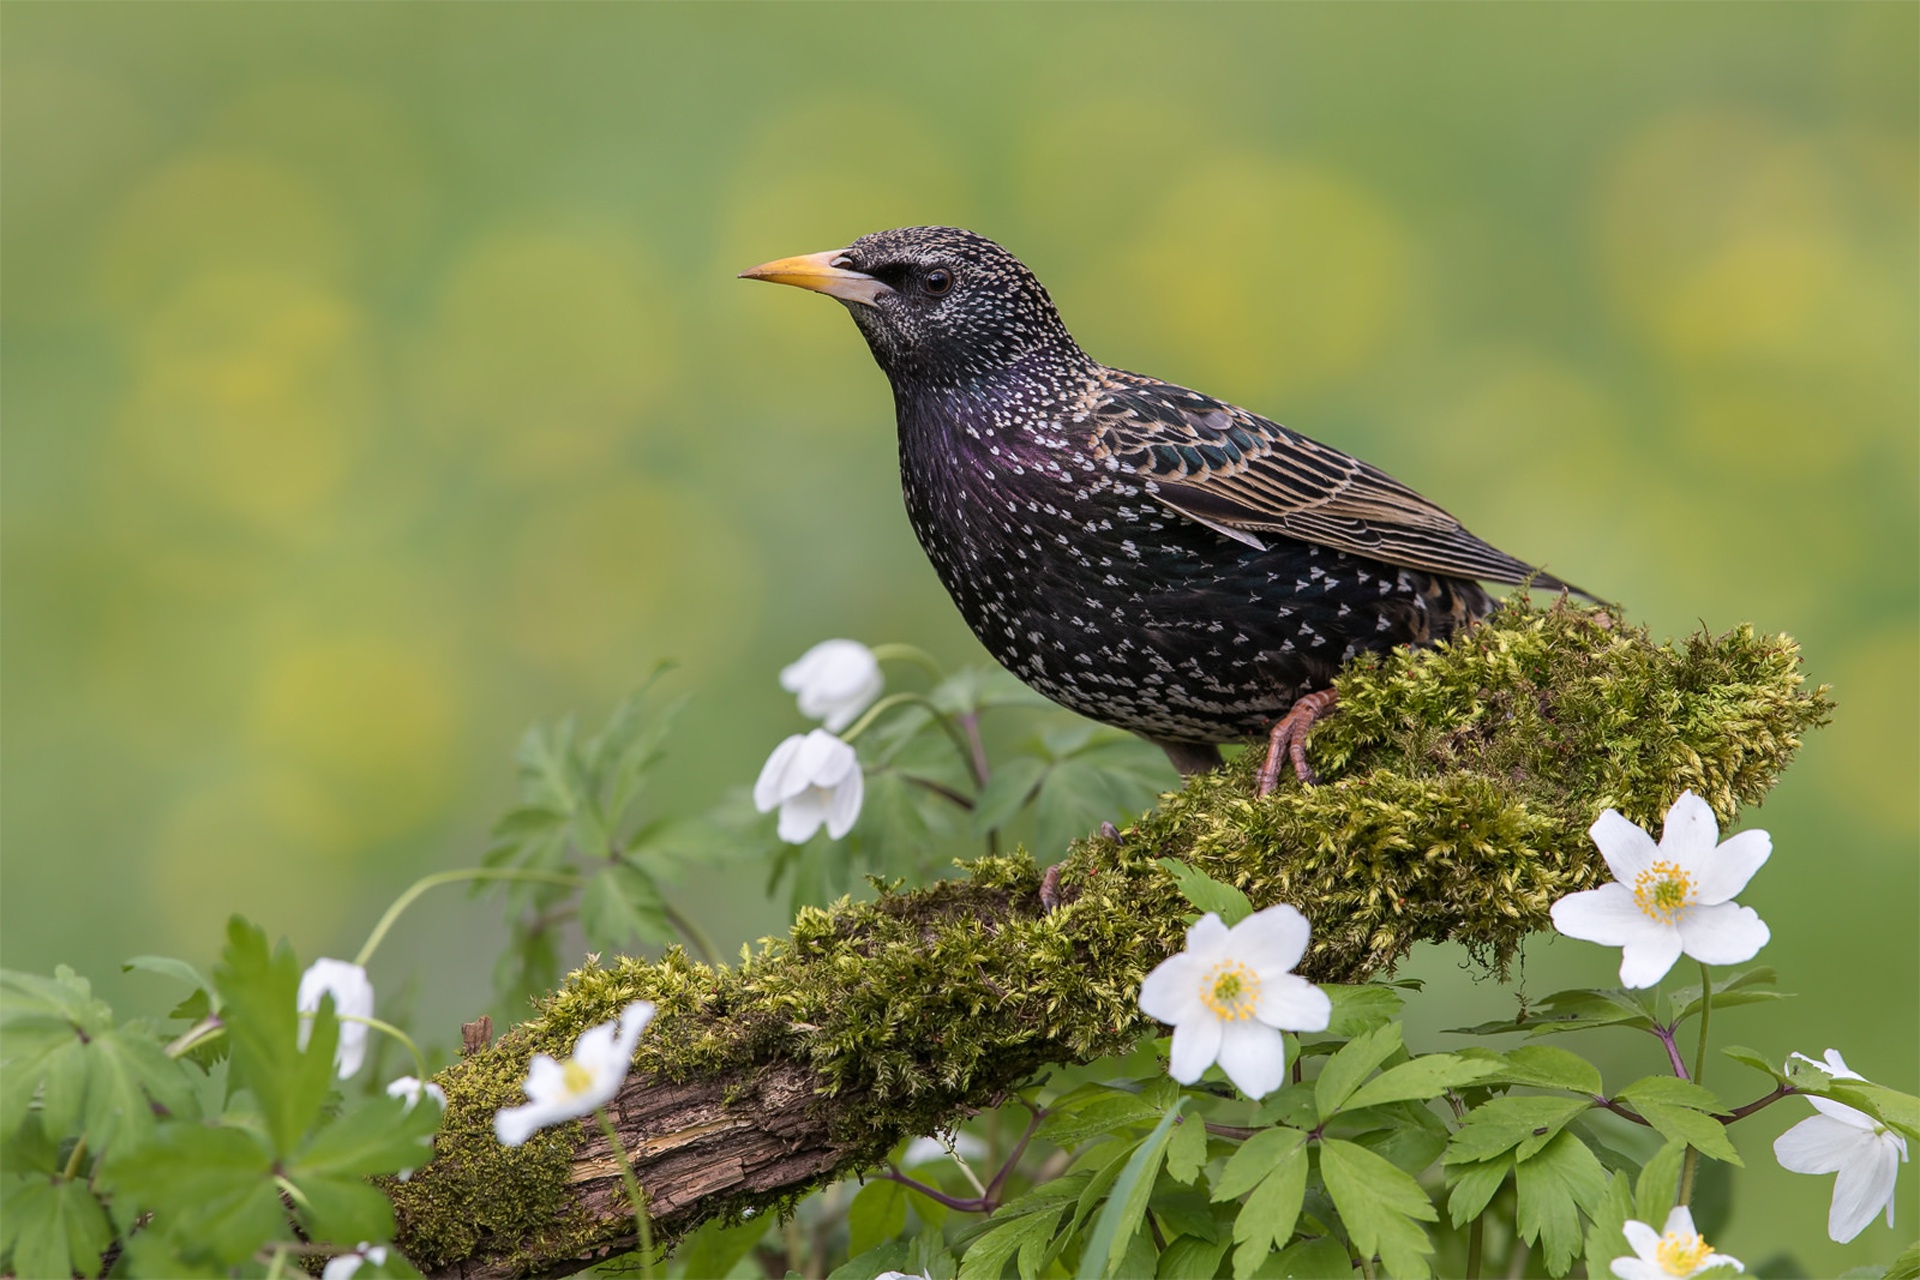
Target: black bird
<point>1147,555</point>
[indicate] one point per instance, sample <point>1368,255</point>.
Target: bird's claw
<point>1288,741</point>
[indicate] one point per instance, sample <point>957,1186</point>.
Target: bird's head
<point>937,304</point>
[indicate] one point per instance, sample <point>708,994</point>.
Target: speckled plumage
<point>1144,554</point>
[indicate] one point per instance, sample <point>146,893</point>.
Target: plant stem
<point>938,788</point>
<point>425,883</point>
<point>73,1161</point>
<point>912,653</point>
<point>1476,1244</point>
<point>692,933</point>
<point>1699,1068</point>
<point>635,1196</point>
<point>1665,1036</point>
<point>278,1267</point>
<point>419,1059</point>
<point>977,749</point>
<point>1766,1100</point>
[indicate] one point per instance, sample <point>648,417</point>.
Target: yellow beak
<point>816,271</point>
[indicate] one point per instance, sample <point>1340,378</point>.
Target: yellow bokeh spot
<point>251,396</point>
<point>371,718</point>
<point>1268,276</point>
<point>217,212</point>
<point>619,576</point>
<point>548,345</point>
<point>266,844</point>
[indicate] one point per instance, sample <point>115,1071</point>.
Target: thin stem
<point>419,1059</point>
<point>970,725</point>
<point>635,1196</point>
<point>1234,1131</point>
<point>1476,1244</point>
<point>208,1028</point>
<point>940,789</point>
<point>940,716</point>
<point>692,933</point>
<point>973,1178</point>
<point>1621,1109</point>
<point>1366,1266</point>
<point>1692,1161</point>
<point>912,653</point>
<point>976,1205</point>
<point>1019,1149</point>
<point>1665,1036</point>
<point>278,1266</point>
<point>439,878</point>
<point>1760,1103</point>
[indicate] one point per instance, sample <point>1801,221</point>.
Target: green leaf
<point>263,1024</point>
<point>1314,1259</point>
<point>1474,1186</point>
<point>1107,1111</point>
<point>1753,1058</point>
<point>1543,1067</point>
<point>1521,1125</point>
<point>987,1255</point>
<point>1658,1186</point>
<point>1360,1007</point>
<point>1673,1091</point>
<point>1694,1128</point>
<point>715,1246</point>
<point>127,1074</point>
<point>1424,1077</point>
<point>1207,894</point>
<point>1906,1264</point>
<point>1266,1219</point>
<point>1551,1190</point>
<point>1899,1111</point>
<point>53,1227</point>
<point>1187,1150</point>
<point>1605,1240</point>
<point>1380,1206</point>
<point>336,1208</point>
<point>1191,1258</point>
<point>209,1189</point>
<point>1574,1010</point>
<point>1410,1144</point>
<point>1740,988</point>
<point>878,1214</point>
<point>1007,792</point>
<point>621,905</point>
<point>1257,1157</point>
<point>1355,1061</point>
<point>1291,1105</point>
<point>891,1256</point>
<point>382,1136</point>
<point>1127,1204</point>
<point>169,967</point>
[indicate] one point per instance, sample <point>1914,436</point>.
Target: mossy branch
<point>1459,785</point>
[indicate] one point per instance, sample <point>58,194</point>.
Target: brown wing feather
<point>1243,475</point>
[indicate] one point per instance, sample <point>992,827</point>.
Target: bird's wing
<point>1243,476</point>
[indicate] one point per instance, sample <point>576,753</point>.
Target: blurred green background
<point>376,382</point>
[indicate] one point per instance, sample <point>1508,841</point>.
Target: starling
<point>1151,557</point>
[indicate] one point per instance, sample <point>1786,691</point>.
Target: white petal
<point>1196,1043</point>
<point>1725,933</point>
<point>546,1079</point>
<point>1725,871</point>
<point>843,809</point>
<point>771,787</point>
<point>802,815</point>
<point>1843,1113</point>
<point>1207,938</point>
<point>1819,1144</point>
<point>1171,993</point>
<point>342,1267</point>
<point>1627,849</point>
<point>633,1020</point>
<point>1641,1238</point>
<point>1713,1260</point>
<point>598,1048</point>
<point>1680,1218</point>
<point>352,994</point>
<point>1865,1187</point>
<point>1836,1066</point>
<point>1270,942</point>
<point>514,1125</point>
<point>1607,915</point>
<point>1646,959</point>
<point>1292,1003</point>
<point>1638,1269</point>
<point>1691,831</point>
<point>1254,1056</point>
<point>822,760</point>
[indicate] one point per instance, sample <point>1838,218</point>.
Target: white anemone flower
<point>344,1266</point>
<point>1231,993</point>
<point>1677,1251</point>
<point>583,1083</point>
<point>412,1088</point>
<point>811,779</point>
<point>1672,897</point>
<point>834,681</point>
<point>352,994</point>
<point>1865,1153</point>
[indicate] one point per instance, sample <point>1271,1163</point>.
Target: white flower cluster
<point>814,779</point>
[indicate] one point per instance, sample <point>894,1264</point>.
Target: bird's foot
<point>1288,741</point>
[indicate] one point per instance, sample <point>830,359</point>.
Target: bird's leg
<point>1190,758</point>
<point>1288,741</point>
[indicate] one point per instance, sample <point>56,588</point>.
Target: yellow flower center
<point>1680,1254</point>
<point>1231,990</point>
<point>1663,891</point>
<point>576,1077</point>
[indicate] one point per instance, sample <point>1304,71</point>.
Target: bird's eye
<point>938,281</point>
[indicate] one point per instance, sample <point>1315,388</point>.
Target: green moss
<point>1458,786</point>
